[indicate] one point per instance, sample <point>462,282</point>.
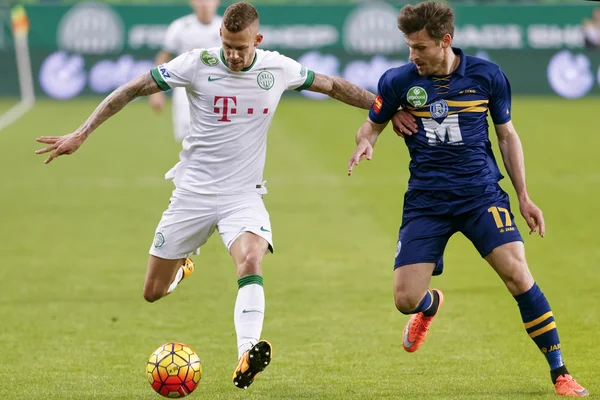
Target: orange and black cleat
<point>252,363</point>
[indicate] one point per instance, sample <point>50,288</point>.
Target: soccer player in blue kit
<point>445,96</point>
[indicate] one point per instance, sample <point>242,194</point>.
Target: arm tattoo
<point>143,85</point>
<point>351,94</point>
<point>342,90</point>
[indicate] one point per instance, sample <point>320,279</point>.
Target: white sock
<point>178,279</point>
<point>249,312</point>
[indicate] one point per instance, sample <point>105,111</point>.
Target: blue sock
<point>428,304</point>
<point>539,323</point>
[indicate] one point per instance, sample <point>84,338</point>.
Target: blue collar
<point>462,66</point>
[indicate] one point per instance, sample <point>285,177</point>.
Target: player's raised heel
<point>417,327</point>
<point>252,363</point>
<point>567,386</point>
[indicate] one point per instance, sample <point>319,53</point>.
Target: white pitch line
<point>15,113</point>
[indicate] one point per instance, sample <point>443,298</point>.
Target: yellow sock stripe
<point>545,329</point>
<point>538,320</point>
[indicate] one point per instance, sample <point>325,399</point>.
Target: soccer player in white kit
<point>233,92</point>
<point>194,31</point>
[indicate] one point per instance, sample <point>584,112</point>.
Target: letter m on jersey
<point>446,132</point>
<point>224,107</point>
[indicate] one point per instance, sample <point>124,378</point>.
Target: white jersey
<point>230,115</point>
<point>187,33</point>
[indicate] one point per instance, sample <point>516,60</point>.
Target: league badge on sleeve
<point>377,104</point>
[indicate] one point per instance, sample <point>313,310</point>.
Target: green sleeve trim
<point>250,280</point>
<point>310,77</point>
<point>159,79</point>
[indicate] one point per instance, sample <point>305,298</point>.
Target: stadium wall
<point>92,48</point>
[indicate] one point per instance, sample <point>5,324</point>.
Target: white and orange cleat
<point>417,327</point>
<point>567,386</point>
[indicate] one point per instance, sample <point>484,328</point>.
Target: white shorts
<point>191,219</point>
<point>181,114</point>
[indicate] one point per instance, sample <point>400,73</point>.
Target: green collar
<point>248,68</point>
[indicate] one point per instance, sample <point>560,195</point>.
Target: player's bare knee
<point>251,264</point>
<point>522,280</point>
<point>153,293</point>
<point>517,278</point>
<point>406,302</point>
<point>151,297</point>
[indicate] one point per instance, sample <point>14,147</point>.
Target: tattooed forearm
<point>342,90</point>
<point>351,94</point>
<point>142,86</point>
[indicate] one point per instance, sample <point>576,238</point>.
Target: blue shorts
<point>431,217</point>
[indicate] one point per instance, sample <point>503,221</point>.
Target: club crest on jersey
<point>208,59</point>
<point>303,71</point>
<point>265,80</point>
<point>439,109</point>
<point>416,96</point>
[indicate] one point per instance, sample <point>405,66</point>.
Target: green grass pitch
<point>75,236</point>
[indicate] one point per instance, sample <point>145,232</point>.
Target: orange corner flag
<point>20,22</point>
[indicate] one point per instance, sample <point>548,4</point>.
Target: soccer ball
<point>174,370</point>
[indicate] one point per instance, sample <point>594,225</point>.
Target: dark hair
<point>239,16</point>
<point>436,18</point>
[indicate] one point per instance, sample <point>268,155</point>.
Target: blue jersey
<point>452,149</point>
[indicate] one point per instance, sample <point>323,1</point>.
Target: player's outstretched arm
<point>514,162</point>
<point>157,100</point>
<point>342,90</point>
<point>365,141</point>
<point>143,85</point>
